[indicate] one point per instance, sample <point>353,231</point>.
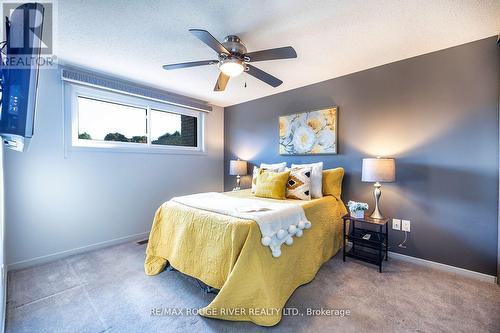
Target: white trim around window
<point>73,143</point>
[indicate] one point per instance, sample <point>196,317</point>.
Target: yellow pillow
<point>272,184</point>
<point>332,182</point>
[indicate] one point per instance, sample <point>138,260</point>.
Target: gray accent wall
<point>55,206</point>
<point>437,114</point>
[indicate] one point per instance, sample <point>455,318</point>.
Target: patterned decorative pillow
<point>299,183</point>
<point>263,166</point>
<point>316,178</point>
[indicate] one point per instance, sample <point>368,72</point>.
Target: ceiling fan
<point>233,59</point>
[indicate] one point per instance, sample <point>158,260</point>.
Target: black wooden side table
<point>367,245</point>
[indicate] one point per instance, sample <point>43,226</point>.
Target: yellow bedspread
<point>226,253</point>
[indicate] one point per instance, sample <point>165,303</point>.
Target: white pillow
<point>271,167</point>
<point>276,167</point>
<point>316,178</point>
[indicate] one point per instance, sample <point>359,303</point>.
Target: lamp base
<point>377,215</point>
<point>376,193</point>
<point>237,188</point>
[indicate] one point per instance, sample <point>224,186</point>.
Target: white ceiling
<point>134,38</point>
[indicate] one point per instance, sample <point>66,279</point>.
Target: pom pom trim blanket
<point>279,221</point>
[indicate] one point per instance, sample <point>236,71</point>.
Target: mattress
<point>226,253</point>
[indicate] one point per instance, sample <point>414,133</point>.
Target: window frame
<point>72,143</point>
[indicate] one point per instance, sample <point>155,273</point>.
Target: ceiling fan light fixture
<point>231,67</point>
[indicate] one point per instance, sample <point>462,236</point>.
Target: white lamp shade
<point>237,168</point>
<point>378,170</point>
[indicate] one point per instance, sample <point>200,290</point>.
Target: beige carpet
<point>107,291</point>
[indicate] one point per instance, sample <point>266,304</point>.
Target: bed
<point>226,253</point>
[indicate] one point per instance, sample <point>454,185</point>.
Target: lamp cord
<point>403,243</point>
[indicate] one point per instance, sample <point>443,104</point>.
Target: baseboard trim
<point>60,255</point>
<point>4,300</point>
<point>444,267</point>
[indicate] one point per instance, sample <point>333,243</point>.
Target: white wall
<point>56,206</point>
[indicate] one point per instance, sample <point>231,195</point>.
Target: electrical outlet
<point>405,225</point>
<point>396,224</point>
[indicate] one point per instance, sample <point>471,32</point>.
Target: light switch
<point>396,224</point>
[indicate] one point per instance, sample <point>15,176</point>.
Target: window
<point>101,119</point>
<point>106,121</point>
<point>170,129</point>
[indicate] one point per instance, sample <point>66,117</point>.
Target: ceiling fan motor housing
<point>234,45</point>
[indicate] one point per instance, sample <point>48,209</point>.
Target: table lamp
<point>378,170</point>
<point>237,168</point>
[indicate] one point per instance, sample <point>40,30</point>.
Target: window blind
<point>126,87</point>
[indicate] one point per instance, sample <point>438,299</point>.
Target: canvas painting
<point>309,133</point>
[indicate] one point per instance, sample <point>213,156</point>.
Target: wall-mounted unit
<point>19,74</point>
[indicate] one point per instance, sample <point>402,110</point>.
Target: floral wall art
<point>309,133</point>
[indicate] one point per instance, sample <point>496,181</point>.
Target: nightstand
<point>367,244</point>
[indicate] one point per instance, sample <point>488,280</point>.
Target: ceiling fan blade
<point>286,52</point>
<point>263,76</point>
<point>190,64</point>
<point>210,40</point>
<point>221,83</point>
